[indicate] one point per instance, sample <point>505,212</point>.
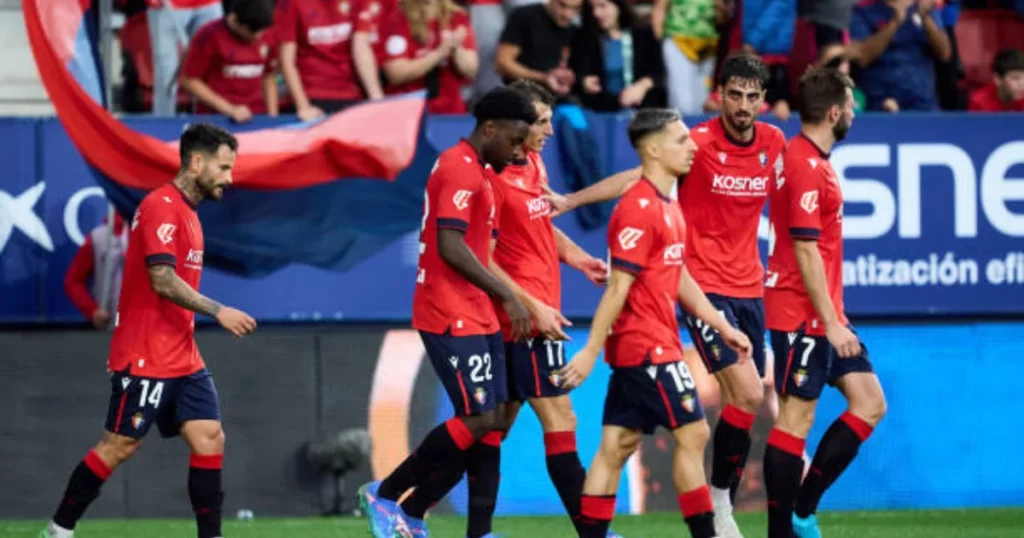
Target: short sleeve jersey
<point>805,203</point>
<point>526,247</point>
<point>322,31</point>
<point>153,337</point>
<point>459,196</point>
<point>231,66</point>
<point>647,237</point>
<point>722,198</point>
<point>399,43</point>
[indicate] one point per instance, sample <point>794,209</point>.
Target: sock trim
<point>556,443</point>
<point>695,502</point>
<point>492,438</point>
<point>858,425</point>
<point>460,433</point>
<point>786,442</point>
<point>597,507</point>
<point>737,417</point>
<point>95,464</point>
<point>213,462</point>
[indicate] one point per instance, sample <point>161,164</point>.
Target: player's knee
<point>559,416</point>
<point>694,437</point>
<point>750,399</point>
<point>620,449</point>
<point>116,449</point>
<point>871,409</point>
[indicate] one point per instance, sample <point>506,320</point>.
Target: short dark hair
<point>648,121</point>
<point>1008,60</point>
<point>533,90</point>
<point>204,138</point>
<point>745,67</point>
<point>505,104</point>
<point>627,18</point>
<point>256,15</point>
<point>820,89</point>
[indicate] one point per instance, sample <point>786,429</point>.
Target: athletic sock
<point>596,512</point>
<point>698,512</point>
<point>83,488</point>
<point>836,450</point>
<point>206,494</point>
<point>783,466</point>
<point>731,447</point>
<point>443,448</point>
<point>566,471</point>
<point>483,472</point>
<point>425,496</point>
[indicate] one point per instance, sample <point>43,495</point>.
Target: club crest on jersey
<point>800,377</point>
<point>629,237</point>
<point>137,420</point>
<point>461,199</point>
<point>762,158</point>
<point>165,233</point>
<point>809,201</point>
<point>480,395</point>
<point>688,403</point>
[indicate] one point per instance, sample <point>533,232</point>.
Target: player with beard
<point>813,341</point>
<point>722,198</point>
<point>156,373</point>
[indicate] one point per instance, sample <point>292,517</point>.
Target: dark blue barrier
<point>935,210</point>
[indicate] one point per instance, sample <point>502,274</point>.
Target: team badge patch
<point>716,351</point>
<point>555,380</point>
<point>480,396</point>
<point>800,377</point>
<point>688,403</point>
<point>137,420</point>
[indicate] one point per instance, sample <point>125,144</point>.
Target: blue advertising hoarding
<point>933,220</point>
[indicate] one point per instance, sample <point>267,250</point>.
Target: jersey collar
<point>472,151</point>
<point>654,188</point>
<point>183,197</point>
<point>815,146</point>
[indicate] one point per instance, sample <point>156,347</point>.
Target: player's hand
<point>899,10</point>
<point>633,95</point>
<point>549,322</point>
<point>100,318</point>
<point>735,339</point>
<point>309,113</point>
<point>579,368</point>
<point>241,114</point>
<point>592,84</point>
<point>594,269</point>
<point>843,340</point>
<point>235,321</point>
<point>520,318</point>
<point>559,203</point>
<point>890,105</point>
<point>782,110</point>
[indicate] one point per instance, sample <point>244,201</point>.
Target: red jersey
<point>986,99</point>
<point>806,203</point>
<point>722,198</point>
<point>322,31</point>
<point>153,337</point>
<point>230,65</point>
<point>526,248</point>
<point>647,237</point>
<point>398,43</point>
<point>459,196</point>
<point>371,15</point>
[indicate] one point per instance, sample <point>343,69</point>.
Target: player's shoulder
<point>160,199</point>
<point>704,132</point>
<point>208,32</point>
<point>638,204</point>
<point>771,136</point>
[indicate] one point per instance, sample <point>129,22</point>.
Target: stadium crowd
<point>312,57</point>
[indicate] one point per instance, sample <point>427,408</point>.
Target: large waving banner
<point>290,205</point>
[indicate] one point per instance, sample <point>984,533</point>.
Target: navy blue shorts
<point>645,397</point>
<point>471,368</point>
<point>531,368</point>
<point>136,403</point>
<point>804,364</point>
<point>746,315</point>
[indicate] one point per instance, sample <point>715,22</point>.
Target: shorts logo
<point>165,233</point>
<point>629,237</point>
<point>461,199</point>
<point>454,359</point>
<point>125,382</point>
<point>809,201</point>
<point>480,395</point>
<point>800,377</point>
<point>652,371</point>
<point>688,403</point>
<point>137,420</point>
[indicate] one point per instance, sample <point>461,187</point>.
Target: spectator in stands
<point>430,44</point>
<point>1006,91</point>
<point>830,19</point>
<point>172,23</point>
<point>535,45</point>
<point>690,43</point>
<point>947,73</point>
<point>768,27</point>
<point>367,53</point>
<point>837,56</point>
<point>899,41</point>
<point>230,65</point>
<point>101,259</point>
<point>617,62</point>
<point>488,18</point>
<point>315,55</point>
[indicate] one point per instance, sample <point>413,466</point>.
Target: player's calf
<point>688,475</point>
<point>597,506</point>
<point>743,396</point>
<point>206,439</point>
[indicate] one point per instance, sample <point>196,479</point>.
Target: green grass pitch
<point>1002,523</point>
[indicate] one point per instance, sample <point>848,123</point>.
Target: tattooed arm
<point>167,284</point>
